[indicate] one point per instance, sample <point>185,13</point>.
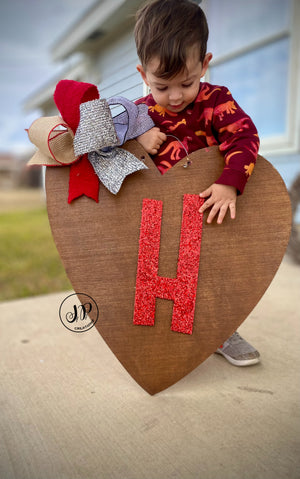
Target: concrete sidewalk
<point>69,410</point>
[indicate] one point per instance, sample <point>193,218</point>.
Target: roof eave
<point>99,21</point>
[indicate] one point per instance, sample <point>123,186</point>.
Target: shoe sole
<point>239,362</point>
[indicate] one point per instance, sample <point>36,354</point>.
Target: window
<point>255,46</point>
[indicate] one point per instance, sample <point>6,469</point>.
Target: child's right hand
<point>152,140</point>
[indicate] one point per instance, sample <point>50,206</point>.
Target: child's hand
<point>219,198</point>
<point>152,140</point>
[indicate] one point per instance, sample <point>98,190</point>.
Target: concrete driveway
<point>69,410</point>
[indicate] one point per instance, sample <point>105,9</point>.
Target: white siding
<point>117,68</point>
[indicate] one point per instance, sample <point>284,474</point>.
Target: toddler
<point>171,40</point>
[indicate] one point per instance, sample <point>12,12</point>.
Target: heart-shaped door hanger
<point>169,287</point>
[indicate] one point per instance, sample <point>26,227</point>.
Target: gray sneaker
<point>238,352</point>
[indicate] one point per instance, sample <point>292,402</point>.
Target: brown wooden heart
<point>99,243</point>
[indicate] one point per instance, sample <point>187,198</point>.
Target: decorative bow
<point>88,138</point>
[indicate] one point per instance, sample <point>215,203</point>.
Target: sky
<point>28,29</point>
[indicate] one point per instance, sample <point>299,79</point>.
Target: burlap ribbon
<point>54,140</point>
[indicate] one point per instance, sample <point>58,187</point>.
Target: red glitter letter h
<point>182,289</point>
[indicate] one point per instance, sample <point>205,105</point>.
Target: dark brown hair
<point>167,29</point>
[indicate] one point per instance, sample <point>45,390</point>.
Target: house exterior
<point>14,174</point>
<point>8,170</point>
<point>100,49</point>
<point>256,54</point>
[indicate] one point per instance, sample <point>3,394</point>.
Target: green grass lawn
<point>29,262</point>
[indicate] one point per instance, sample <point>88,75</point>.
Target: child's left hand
<point>220,198</point>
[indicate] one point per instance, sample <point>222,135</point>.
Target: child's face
<point>177,93</point>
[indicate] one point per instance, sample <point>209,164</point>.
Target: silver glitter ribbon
<point>99,135</point>
<point>113,166</point>
<point>95,129</point>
